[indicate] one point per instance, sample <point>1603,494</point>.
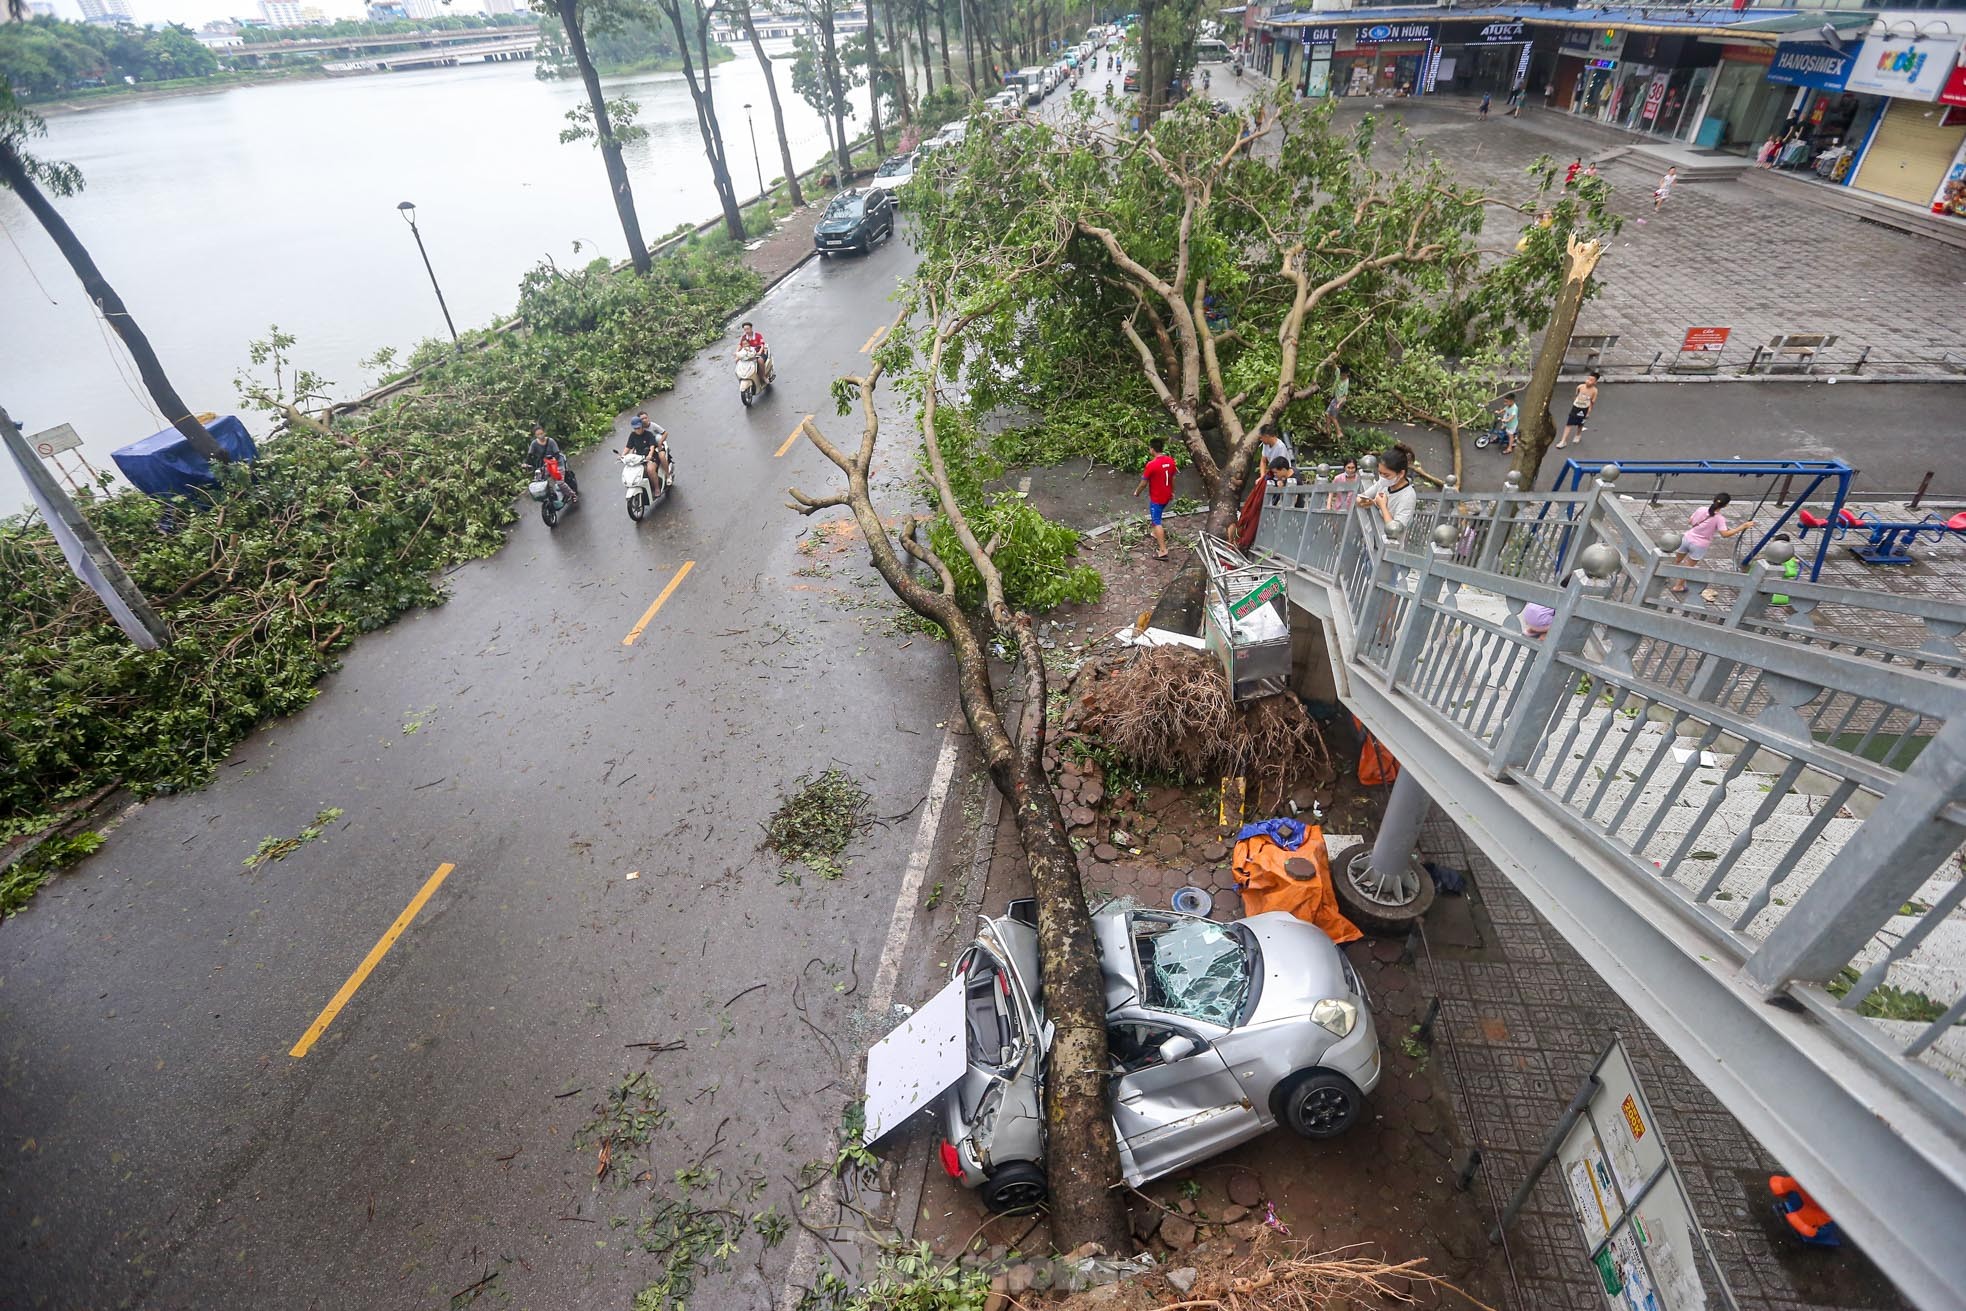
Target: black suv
<point>855,220</point>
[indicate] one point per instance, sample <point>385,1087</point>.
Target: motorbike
<point>554,496</point>
<point>754,376</point>
<point>642,497</point>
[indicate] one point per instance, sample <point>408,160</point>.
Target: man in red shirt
<point>749,338</point>
<point>1158,479</point>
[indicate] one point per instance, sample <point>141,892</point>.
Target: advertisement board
<point>1506,33</point>
<point>1954,91</point>
<point>1391,33</point>
<point>1811,64</point>
<point>1901,67</point>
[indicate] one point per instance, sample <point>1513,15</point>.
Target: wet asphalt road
<point>159,1147</point>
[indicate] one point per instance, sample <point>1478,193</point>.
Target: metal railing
<point>1797,788</point>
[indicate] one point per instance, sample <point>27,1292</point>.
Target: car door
<point>1172,1113</point>
<point>880,213</point>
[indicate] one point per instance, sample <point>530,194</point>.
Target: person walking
<point>1706,525</point>
<point>1516,97</point>
<point>1581,406</point>
<point>1483,110</point>
<point>1663,192</point>
<point>1570,173</point>
<point>1158,479</point>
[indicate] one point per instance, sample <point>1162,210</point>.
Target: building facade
<point>1870,99</point>
<point>106,11</point>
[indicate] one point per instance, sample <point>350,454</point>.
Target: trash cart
<point>1245,620</point>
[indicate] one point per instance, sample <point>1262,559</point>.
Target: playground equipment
<point>1782,477</point>
<point>1889,540</point>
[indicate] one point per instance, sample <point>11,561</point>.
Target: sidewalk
<point>1722,253</point>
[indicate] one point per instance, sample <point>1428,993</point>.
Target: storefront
<point>1915,143</point>
<point>1745,108</point>
<point>1383,59</point>
<point>1660,79</point>
<point>1951,198</point>
<point>1587,74</point>
<point>1478,58</point>
<point>1313,73</point>
<point>1826,114</point>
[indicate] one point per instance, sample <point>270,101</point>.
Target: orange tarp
<point>1260,869</point>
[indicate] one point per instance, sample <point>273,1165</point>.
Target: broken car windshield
<point>1191,967</point>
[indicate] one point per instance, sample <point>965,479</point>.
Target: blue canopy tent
<point>1817,472</point>
<point>164,465</point>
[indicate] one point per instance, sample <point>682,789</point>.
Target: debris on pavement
<point>816,822</point>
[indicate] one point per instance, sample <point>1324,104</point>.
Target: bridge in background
<point>1747,817</point>
<point>511,47</point>
<point>252,56</point>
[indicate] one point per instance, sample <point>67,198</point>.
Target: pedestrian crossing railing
<point>1796,790</point>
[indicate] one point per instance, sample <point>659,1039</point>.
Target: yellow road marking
<point>649,614</point>
<point>787,444</point>
<point>369,962</point>
<point>874,340</point>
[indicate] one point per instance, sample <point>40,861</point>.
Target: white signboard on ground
<point>913,1066</point>
<point>1646,1250</point>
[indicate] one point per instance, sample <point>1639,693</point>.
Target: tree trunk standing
<point>829,68</point>
<point>1149,79</point>
<point>969,42</point>
<point>942,31</point>
<point>899,54</point>
<point>1537,429</point>
<point>624,196</point>
<point>155,381</point>
<point>793,190</point>
<point>704,100</point>
<point>874,84</point>
<point>927,51</point>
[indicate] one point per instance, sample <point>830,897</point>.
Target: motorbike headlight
<point>1337,1016</point>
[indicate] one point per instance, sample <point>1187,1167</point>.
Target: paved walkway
<point>1722,253</point>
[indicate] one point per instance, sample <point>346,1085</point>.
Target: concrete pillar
<point>1399,828</point>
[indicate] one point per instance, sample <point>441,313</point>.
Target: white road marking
<point>806,1251</point>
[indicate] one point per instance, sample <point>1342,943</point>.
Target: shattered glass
<point>1192,967</point>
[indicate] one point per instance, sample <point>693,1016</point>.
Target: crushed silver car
<point>1219,1032</point>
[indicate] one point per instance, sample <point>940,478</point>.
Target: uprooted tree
<point>1226,273</point>
<point>944,568</point>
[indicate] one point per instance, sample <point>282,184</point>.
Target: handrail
<point>1729,763</point>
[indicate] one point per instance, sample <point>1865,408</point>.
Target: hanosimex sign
<point>1811,64</point>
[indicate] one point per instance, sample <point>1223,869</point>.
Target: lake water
<point>218,215</point>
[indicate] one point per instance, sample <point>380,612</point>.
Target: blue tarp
<point>163,464</point>
<point>1286,833</point>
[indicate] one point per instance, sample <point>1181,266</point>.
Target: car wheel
<point>1015,1188</point>
<point>1385,904</point>
<point>866,244</point>
<point>1320,1104</point>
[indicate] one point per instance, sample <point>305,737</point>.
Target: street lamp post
<point>756,162</point>
<point>408,211</point>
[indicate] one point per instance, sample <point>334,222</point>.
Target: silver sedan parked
<point>1219,1032</point>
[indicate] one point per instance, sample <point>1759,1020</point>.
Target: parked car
<point>855,220</point>
<point>1218,1032</point>
<point>895,174</point>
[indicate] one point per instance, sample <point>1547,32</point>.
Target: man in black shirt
<point>650,440</point>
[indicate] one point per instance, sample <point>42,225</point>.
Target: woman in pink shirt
<point>1706,524</point>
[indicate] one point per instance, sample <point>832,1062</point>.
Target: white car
<point>896,172</point>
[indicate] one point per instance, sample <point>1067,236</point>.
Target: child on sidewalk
<point>1158,479</point>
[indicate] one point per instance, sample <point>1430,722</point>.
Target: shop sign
<point>1954,92</point>
<point>1499,34</point>
<point>1320,36</point>
<point>1387,33</point>
<point>1748,54</point>
<point>1655,95</point>
<point>1902,67</point>
<point>1705,339</point>
<point>1811,64</point>
<point>1600,63</point>
<point>1603,42</point>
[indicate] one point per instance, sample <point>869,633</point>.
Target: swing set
<point>1781,477</point>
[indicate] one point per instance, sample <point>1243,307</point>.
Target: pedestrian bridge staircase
<point>1746,817</point>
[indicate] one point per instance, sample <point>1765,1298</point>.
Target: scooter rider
<point>750,337</point>
<point>544,448</point>
<point>650,440</point>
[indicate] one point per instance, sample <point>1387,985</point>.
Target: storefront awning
<point>1626,19</point>
<point>1804,26</point>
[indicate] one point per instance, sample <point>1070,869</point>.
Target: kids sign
<point>1901,67</point>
